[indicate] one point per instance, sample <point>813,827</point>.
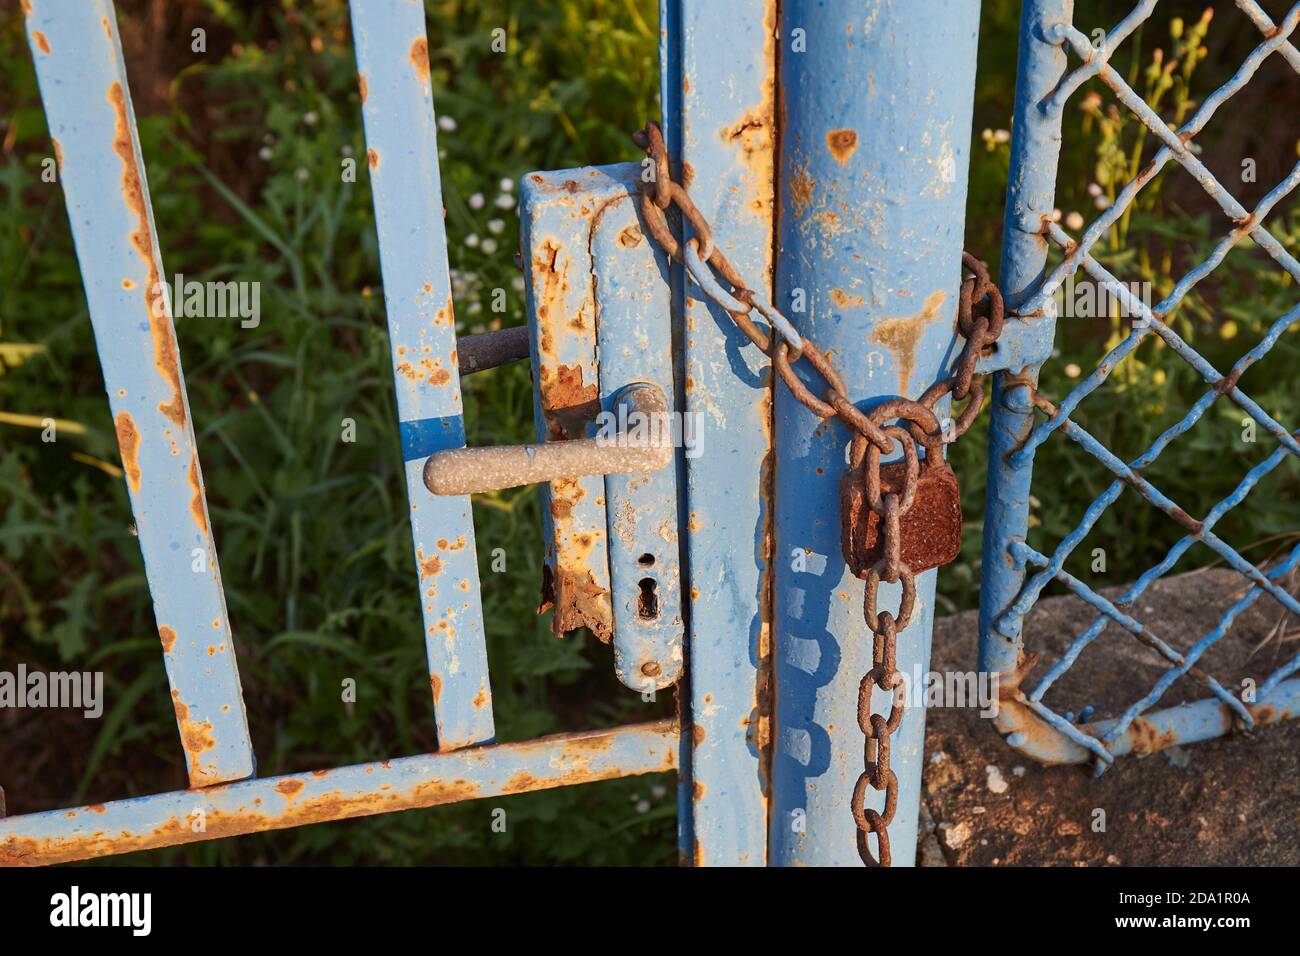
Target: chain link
<point>980,317</point>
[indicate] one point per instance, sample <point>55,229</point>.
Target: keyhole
<point>647,605</point>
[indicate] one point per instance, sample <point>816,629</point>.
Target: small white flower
<point>1002,136</point>
<point>476,201</point>
<point>643,806</point>
<point>658,791</point>
<point>507,185</point>
<point>265,153</point>
<point>505,201</point>
<point>475,307</point>
<point>489,246</point>
<point>310,117</point>
<point>1074,221</point>
<point>1101,202</point>
<point>302,174</point>
<point>1056,215</point>
<point>518,283</point>
<point>472,240</point>
<point>1094,189</point>
<point>446,124</point>
<point>495,226</point>
<point>1073,371</point>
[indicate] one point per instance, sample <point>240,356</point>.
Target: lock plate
<point>930,530</point>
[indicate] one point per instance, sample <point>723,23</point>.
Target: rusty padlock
<point>929,530</point>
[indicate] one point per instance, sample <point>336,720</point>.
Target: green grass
<point>244,150</point>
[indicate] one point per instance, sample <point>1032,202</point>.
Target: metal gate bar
<point>275,803</point>
<point>1009,591</point>
<point>402,152</point>
<point>720,121</point>
<point>82,78</point>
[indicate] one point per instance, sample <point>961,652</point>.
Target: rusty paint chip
<point>842,143</point>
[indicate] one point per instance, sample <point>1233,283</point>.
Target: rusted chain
<point>980,317</point>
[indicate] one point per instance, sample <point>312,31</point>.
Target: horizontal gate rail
<point>82,76</point>
<point>1010,590</point>
<point>276,803</point>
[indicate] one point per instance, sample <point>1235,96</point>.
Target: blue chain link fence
<point>1057,60</point>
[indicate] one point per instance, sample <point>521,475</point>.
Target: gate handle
<point>631,449</point>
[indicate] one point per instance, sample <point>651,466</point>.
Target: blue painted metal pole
<point>1035,148</point>
<point>82,76</point>
<point>874,150</point>
<point>402,152</point>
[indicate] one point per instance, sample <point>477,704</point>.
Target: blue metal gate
<point>716,575</point>
<point>1056,59</point>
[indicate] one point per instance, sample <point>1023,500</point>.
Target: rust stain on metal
<point>801,190</point>
<point>902,335</point>
<point>196,500</point>
<point>128,443</point>
<point>289,788</point>
<point>419,57</point>
<point>578,602</point>
<point>430,566</point>
<point>168,638</point>
<point>166,357</point>
<point>1147,739</point>
<point>446,316</point>
<point>435,686</point>
<point>364,86</point>
<point>372,158</point>
<point>521,782</point>
<point>843,300</point>
<point>196,736</point>
<point>58,153</point>
<point>842,143</point>
<point>42,41</point>
<point>568,405</point>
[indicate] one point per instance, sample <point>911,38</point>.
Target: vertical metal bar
<point>720,119</point>
<point>83,84</point>
<point>1035,148</point>
<point>401,136</point>
<point>876,122</point>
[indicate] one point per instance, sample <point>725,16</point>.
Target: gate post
<point>875,124</point>
<point>1035,149</point>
